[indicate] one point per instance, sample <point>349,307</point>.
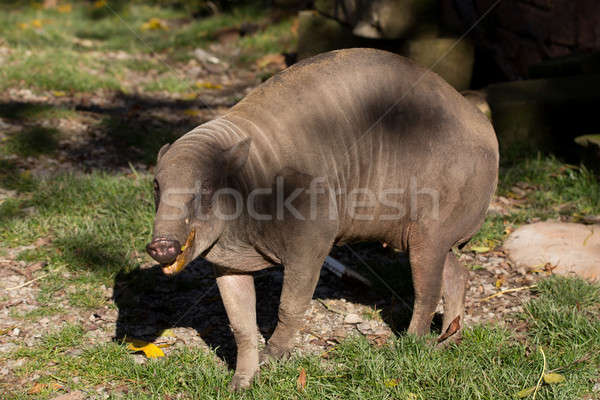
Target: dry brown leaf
<point>36,388</point>
<point>301,382</point>
<point>452,329</point>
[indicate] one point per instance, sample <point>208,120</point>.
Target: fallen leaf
<point>6,330</point>
<point>208,85</point>
<point>150,349</point>
<point>391,383</point>
<point>301,382</point>
<point>499,282</point>
<point>36,388</point>
<point>37,23</point>
<point>553,378</point>
<point>549,268</point>
<point>59,93</point>
<point>480,249</point>
<point>192,112</point>
<point>189,96</point>
<point>99,3</point>
<point>525,392</point>
<point>154,24</point>
<point>452,329</point>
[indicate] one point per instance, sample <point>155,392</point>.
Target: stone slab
<point>572,248</point>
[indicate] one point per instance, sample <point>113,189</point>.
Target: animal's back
<point>370,119</point>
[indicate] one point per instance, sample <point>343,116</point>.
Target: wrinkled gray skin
<point>359,118</point>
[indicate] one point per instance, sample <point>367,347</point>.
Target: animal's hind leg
<point>454,287</point>
<point>427,265</point>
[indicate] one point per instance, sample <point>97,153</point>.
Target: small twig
<point>539,383</point>
<point>329,308</point>
<point>26,283</point>
<point>58,379</point>
<point>11,303</point>
<point>500,293</point>
<point>585,358</point>
<point>18,271</point>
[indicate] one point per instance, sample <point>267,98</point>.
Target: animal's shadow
<point>149,302</point>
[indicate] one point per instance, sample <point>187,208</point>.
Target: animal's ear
<point>237,155</point>
<point>162,151</point>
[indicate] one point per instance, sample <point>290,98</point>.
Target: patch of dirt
<point>189,304</point>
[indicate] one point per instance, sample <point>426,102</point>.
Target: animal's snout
<point>165,251</point>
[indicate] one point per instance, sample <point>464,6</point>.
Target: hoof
<point>452,340</point>
<point>240,382</point>
<point>273,353</point>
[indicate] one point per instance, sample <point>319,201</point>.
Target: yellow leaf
<point>189,96</point>
<point>23,25</point>
<point>37,23</point>
<point>499,282</point>
<point>553,378</point>
<point>192,112</point>
<point>6,330</point>
<point>208,85</point>
<point>99,3</point>
<point>391,383</point>
<point>59,93</point>
<point>525,392</point>
<point>64,8</point>
<point>154,24</point>
<point>480,249</point>
<point>150,349</point>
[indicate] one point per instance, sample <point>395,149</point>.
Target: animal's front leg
<point>299,282</point>
<point>237,292</point>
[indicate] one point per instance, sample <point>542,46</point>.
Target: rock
<point>545,114</point>
<point>451,59</point>
<point>572,248</point>
<point>352,319</point>
<point>318,34</point>
<point>205,57</point>
<point>521,33</point>
<point>590,149</point>
<point>380,19</point>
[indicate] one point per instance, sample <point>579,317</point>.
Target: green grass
<point>99,220</point>
<point>488,364</point>
<point>59,70</point>
<point>169,82</point>
<point>33,142</point>
<point>50,50</point>
<point>557,184</point>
